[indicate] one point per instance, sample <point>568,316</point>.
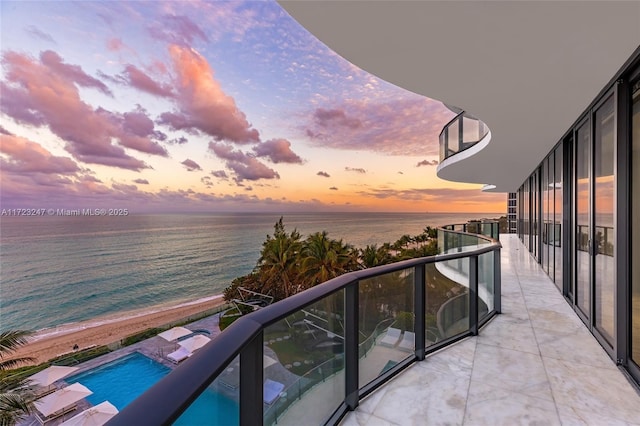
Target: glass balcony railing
<point>461,133</point>
<point>316,354</point>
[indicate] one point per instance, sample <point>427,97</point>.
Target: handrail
<point>163,403</point>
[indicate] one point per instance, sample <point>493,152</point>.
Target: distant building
<point>512,216</point>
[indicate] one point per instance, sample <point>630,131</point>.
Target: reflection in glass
<point>386,323</point>
<point>447,294</point>
<point>635,227</point>
<point>219,403</point>
<point>583,154</point>
<point>303,355</point>
<point>557,214</point>
<point>604,290</point>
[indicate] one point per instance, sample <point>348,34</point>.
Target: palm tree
<point>16,398</point>
<point>278,264</point>
<point>324,258</point>
<point>372,255</point>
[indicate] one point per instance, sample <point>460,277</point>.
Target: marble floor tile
<point>509,334</point>
<point>572,417</point>
<point>490,405</point>
<point>573,345</point>
<point>428,398</point>
<point>598,390</point>
<point>511,370</point>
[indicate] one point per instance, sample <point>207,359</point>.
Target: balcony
<point>536,363</point>
<point>460,134</point>
<point>317,354</point>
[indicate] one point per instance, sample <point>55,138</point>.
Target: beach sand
<point>48,347</point>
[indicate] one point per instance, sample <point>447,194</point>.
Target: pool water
<point>123,380</point>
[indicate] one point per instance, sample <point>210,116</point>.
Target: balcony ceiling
<point>527,69</point>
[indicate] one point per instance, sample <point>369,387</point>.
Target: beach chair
<point>272,390</point>
<point>179,355</point>
<point>391,338</point>
<point>408,342</point>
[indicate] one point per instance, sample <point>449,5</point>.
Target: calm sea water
<point>58,271</point>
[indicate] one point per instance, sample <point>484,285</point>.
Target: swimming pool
<point>123,380</point>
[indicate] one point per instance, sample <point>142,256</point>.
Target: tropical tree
<point>372,255</point>
<point>323,258</point>
<point>278,263</point>
<point>16,398</point>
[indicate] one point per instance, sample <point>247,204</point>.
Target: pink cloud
<point>72,72</point>
<point>115,44</point>
<point>41,97</point>
<point>141,81</point>
<point>244,166</point>
<point>177,30</point>
<point>427,163</point>
<point>141,181</point>
<point>203,106</point>
<point>399,127</point>
<point>27,157</point>
<point>335,117</point>
<point>38,33</point>
<point>220,174</point>
<point>278,151</point>
<point>323,174</point>
<point>191,165</point>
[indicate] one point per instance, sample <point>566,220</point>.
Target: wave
<point>120,316</point>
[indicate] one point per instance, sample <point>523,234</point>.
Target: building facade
<point>579,216</point>
<point>512,216</point>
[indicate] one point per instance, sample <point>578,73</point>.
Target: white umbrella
<point>51,374</point>
<point>61,399</point>
<point>94,416</point>
<point>174,333</point>
<point>195,342</point>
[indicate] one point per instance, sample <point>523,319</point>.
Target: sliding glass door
<point>635,224</point>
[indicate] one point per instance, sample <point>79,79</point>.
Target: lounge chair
<point>42,419</point>
<point>408,342</point>
<point>179,355</point>
<point>272,390</point>
<point>391,338</point>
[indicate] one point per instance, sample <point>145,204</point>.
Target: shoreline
<point>44,346</point>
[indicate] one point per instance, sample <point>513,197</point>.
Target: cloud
<point>178,141</point>
<point>45,94</point>
<point>27,157</point>
<point>356,170</point>
<point>400,173</point>
<point>141,181</point>
<point>440,196</point>
<point>220,174</point>
<point>333,188</point>
<point>408,126</point>
<point>427,163</point>
<point>324,174</point>
<point>335,118</point>
<point>206,180</point>
<point>115,44</point>
<point>36,32</point>
<point>141,81</point>
<point>244,166</point>
<point>203,105</point>
<point>191,165</point>
<point>278,151</point>
<point>179,30</point>
<point>72,72</point>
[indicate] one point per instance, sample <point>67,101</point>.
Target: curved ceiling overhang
<point>527,69</point>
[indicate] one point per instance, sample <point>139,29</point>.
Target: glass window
<point>604,236</point>
<point>635,226</point>
<point>557,217</point>
<point>583,170</point>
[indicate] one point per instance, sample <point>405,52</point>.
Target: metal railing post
<point>251,379</point>
<point>351,313</point>
<point>497,282</point>
<point>420,311</point>
<point>473,294</point>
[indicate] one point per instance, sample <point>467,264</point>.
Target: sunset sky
<point>206,106</point>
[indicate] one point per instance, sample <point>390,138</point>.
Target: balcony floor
<point>535,364</point>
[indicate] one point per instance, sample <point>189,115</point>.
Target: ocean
<point>59,271</point>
